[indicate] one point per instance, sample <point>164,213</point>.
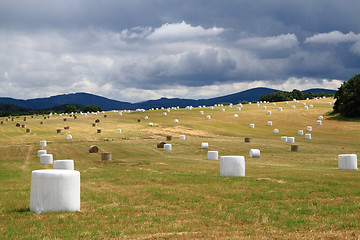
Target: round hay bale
<point>276,130</point>
<point>293,107</point>
<point>309,128</point>
<point>66,127</point>
<point>252,125</point>
<point>182,137</point>
<point>58,130</point>
<point>306,108</point>
<point>93,149</point>
<point>45,117</point>
<point>23,126</point>
<point>18,125</point>
<point>68,137</point>
<point>64,164</point>
<point>139,120</point>
<point>232,166</point>
<point>284,139</point>
<point>291,139</point>
<point>269,123</point>
<point>41,123</point>
<point>176,121</point>
<point>204,145</point>
<point>46,159</point>
<point>43,143</point>
<point>161,144</point>
<point>94,124</point>
<point>347,161</point>
<point>294,148</point>
<point>164,113</point>
<point>300,132</point>
<point>247,139</point>
<point>28,130</point>
<point>236,116</point>
<point>167,147</point>
<point>2,122</point>
<point>268,113</point>
<point>146,118</point>
<point>168,138</point>
<point>208,117</point>
<point>280,109</point>
<point>213,155</point>
<point>24,119</point>
<point>308,136</point>
<point>75,117</point>
<point>254,153</point>
<point>105,116</point>
<point>201,112</point>
<point>106,156</point>
<point>320,118</point>
<point>97,121</point>
<point>151,124</point>
<point>98,131</point>
<point>118,130</point>
<point>319,122</point>
<point>40,152</point>
<point>65,119</point>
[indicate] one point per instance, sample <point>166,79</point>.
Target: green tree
<point>348,98</point>
<point>91,108</point>
<point>70,108</point>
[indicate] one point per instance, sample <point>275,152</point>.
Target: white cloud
<point>333,37</point>
<point>274,43</point>
<point>182,31</point>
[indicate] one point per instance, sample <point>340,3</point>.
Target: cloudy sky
<point>146,49</point>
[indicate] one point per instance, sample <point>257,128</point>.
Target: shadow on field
<point>19,210</point>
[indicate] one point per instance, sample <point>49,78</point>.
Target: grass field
<point>147,193</point>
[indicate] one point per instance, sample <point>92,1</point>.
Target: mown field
<point>147,193</point>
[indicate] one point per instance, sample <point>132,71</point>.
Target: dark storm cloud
<point>143,47</point>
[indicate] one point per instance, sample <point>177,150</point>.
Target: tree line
<point>280,96</point>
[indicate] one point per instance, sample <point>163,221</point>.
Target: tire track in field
<point>28,156</point>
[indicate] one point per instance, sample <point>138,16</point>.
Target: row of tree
<point>280,96</point>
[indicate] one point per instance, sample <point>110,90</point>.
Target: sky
<point>147,49</point>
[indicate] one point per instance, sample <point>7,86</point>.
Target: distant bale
<point>291,139</point>
<point>213,155</point>
<point>94,124</point>
<point>24,119</point>
<point>168,138</point>
<point>58,130</point>
<point>252,125</point>
<point>182,137</point>
<point>18,125</point>
<point>276,130</point>
<point>23,126</point>
<point>105,116</point>
<point>254,153</point>
<point>161,144</point>
<point>98,131</point>
<point>106,156</point>
<point>75,117</point>
<point>41,123</point>
<point>300,132</point>
<point>68,137</point>
<point>247,139</point>
<point>28,130</point>
<point>139,120</point>
<point>284,139</point>
<point>93,149</point>
<point>65,119</point>
<point>97,121</point>
<point>307,136</point>
<point>294,148</point>
<point>347,161</point>
<point>2,122</point>
<point>66,127</point>
<point>204,145</point>
<point>167,147</point>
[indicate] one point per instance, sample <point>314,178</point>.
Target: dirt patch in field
<point>270,180</point>
<point>176,131</point>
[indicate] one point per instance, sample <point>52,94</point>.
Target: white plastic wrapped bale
<point>304,104</point>
<point>239,108</point>
<point>284,139</point>
<point>254,153</point>
<point>46,159</point>
<point>213,155</point>
<point>208,117</point>
<point>64,164</point>
<point>168,110</point>
<point>204,145</point>
<point>269,123</point>
<point>291,139</point>
<point>167,147</point>
<point>146,117</point>
<point>151,124</point>
<point>320,118</point>
<point>118,130</point>
<point>274,104</point>
<point>211,107</point>
<point>201,112</point>
<point>55,190</point>
<point>319,122</point>
<point>252,125</point>
<point>41,152</point>
<point>306,108</point>
<point>232,166</point>
<point>42,143</point>
<point>311,106</point>
<point>308,136</point>
<point>264,107</point>
<point>286,102</point>
<point>182,137</point>
<point>300,132</point>
<point>164,113</point>
<point>120,113</point>
<point>268,113</point>
<point>223,110</point>
<point>176,121</point>
<point>309,128</point>
<point>276,130</point>
<point>293,107</point>
<point>68,137</point>
<point>280,109</point>
<point>236,116</point>
<point>347,161</point>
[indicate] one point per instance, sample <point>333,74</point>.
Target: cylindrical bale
<point>75,117</point>
<point>320,118</point>
<point>232,166</point>
<point>268,113</point>
<point>24,119</point>
<point>66,127</point>
<point>247,139</point>
<point>42,143</point>
<point>294,148</point>
<point>309,128</point>
<point>164,113</point>
<point>18,125</point>
<point>319,122</point>
<point>58,130</point>
<point>105,116</point>
<point>139,120</point>
<point>97,121</point>
<point>252,125</point>
<point>161,144</point>
<point>46,159</point>
<point>93,149</point>
<point>65,119</point>
<point>347,161</point>
<point>236,116</point>
<point>94,124</point>
<point>2,122</point>
<point>293,107</point>
<point>223,110</point>
<point>23,126</point>
<point>280,109</point>
<point>308,136</point>
<point>176,121</point>
<point>208,117</point>
<point>45,117</point>
<point>269,123</point>
<point>254,153</point>
<point>28,130</point>
<point>168,138</point>
<point>300,132</point>
<point>146,117</point>
<point>41,123</point>
<point>182,137</point>
<point>264,107</point>
<point>201,112</point>
<point>118,130</point>
<point>284,139</point>
<point>106,156</point>
<point>64,164</point>
<point>167,147</point>
<point>68,137</point>
<point>291,139</point>
<point>40,152</point>
<point>276,130</point>
<point>306,108</point>
<point>204,145</point>
<point>98,131</point>
<point>151,124</point>
<point>213,155</point>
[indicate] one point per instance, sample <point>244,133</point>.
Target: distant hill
<point>85,99</point>
<point>317,90</point>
